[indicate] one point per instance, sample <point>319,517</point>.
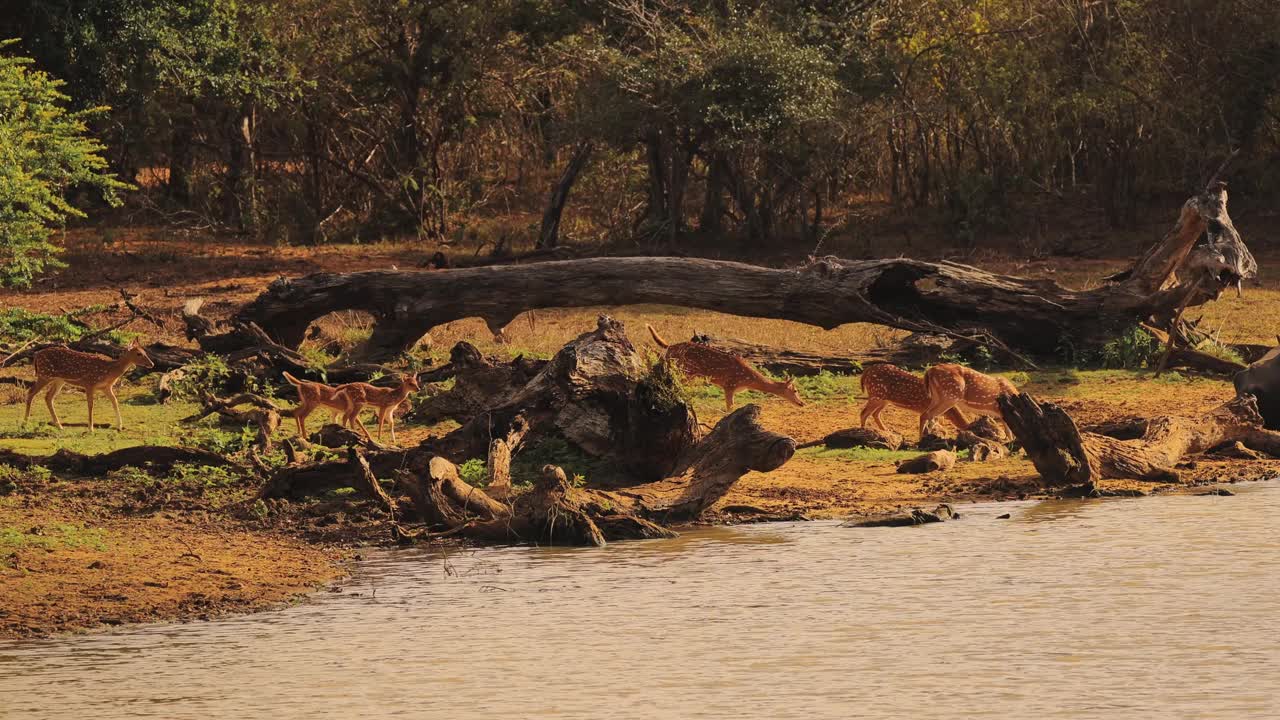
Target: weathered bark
<point>556,512</point>
<point>936,461</point>
<point>598,395</point>
<point>859,437</point>
<point>155,459</point>
<point>914,516</point>
<point>1063,454</point>
<point>549,235</point>
<point>1261,380</point>
<point>479,383</point>
<point>498,466</point>
<point>947,298</point>
<point>365,481</point>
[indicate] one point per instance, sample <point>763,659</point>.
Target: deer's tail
<point>292,380</point>
<point>657,338</point>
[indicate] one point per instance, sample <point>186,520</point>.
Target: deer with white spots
<point>887,384</point>
<point>730,372</point>
<point>956,386</point>
<point>58,366</point>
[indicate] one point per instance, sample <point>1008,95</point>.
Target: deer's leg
<point>937,406</point>
<point>871,411</point>
<point>353,416</point>
<point>391,419</point>
<point>50,395</point>
<point>382,420</point>
<point>115,403</point>
<point>32,391</point>
<point>88,393</point>
<point>728,397</point>
<point>300,414</point>
<point>875,417</point>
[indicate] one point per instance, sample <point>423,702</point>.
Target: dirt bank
<point>72,558</point>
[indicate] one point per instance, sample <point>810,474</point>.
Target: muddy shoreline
<point>87,560</point>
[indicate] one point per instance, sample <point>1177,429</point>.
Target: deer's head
<point>137,355</point>
<point>410,382</point>
<point>787,390</point>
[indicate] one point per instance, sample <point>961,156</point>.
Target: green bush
<point>1132,349</point>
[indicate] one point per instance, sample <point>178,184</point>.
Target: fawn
<point>356,396</point>
<point>887,385</point>
<point>311,397</point>
<point>57,366</point>
<point>952,386</point>
<point>729,371</point>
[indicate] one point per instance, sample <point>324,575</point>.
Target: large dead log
<point>1065,455</point>
<point>948,298</point>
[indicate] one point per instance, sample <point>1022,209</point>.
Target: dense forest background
<point>759,124</point>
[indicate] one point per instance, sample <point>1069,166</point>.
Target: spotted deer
<point>955,386</point>
<point>730,372</point>
<point>887,385</point>
<point>355,397</point>
<point>311,397</point>
<point>58,366</point>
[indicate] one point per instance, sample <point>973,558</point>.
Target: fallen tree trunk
<point>947,298</point>
<point>1065,455</point>
<point>555,511</point>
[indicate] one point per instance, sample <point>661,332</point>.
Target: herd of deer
<point>945,391</point>
<point>59,366</point>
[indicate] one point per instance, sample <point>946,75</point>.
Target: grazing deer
<point>887,385</point>
<point>57,366</point>
<point>726,370</point>
<point>357,396</point>
<point>955,386</point>
<point>311,397</point>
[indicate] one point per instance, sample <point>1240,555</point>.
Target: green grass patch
<point>53,537</point>
<point>144,424</point>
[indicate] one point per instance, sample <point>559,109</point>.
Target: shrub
<point>1132,349</point>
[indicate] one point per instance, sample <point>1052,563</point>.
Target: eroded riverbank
<point>1159,607</point>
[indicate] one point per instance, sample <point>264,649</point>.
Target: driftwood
<point>859,437</point>
<point>1261,380</point>
<point>555,511</point>
<point>154,459</point>
<point>936,461</point>
<point>944,298</point>
<point>914,516</point>
<point>478,383</point>
<point>1065,455</point>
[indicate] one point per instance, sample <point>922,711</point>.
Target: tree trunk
<point>242,209</point>
<point>181,158</point>
<point>710,220</point>
<point>1036,316</point>
<point>549,236</point>
<point>1031,314</point>
<point>1065,455</point>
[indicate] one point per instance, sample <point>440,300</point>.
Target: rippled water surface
<point>1161,607</point>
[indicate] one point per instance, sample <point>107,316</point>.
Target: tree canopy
<point>45,154</point>
<point>764,121</point>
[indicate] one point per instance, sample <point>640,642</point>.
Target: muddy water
<point>1162,607</point>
